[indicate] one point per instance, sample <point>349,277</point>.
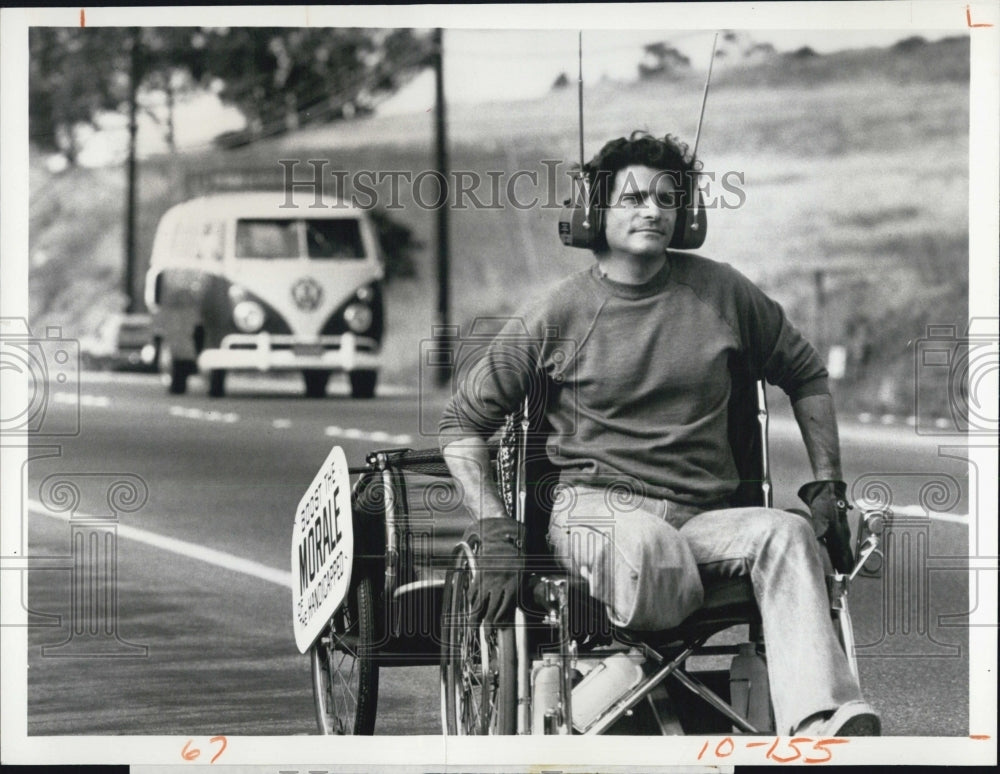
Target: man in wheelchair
<point>633,363</point>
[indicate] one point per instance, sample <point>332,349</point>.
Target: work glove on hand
<point>493,591</point>
<point>827,501</point>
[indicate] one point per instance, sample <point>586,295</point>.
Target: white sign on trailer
<point>322,549</point>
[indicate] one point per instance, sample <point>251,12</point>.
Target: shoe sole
<point>864,724</point>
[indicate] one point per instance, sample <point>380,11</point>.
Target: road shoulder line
<point>182,548</point>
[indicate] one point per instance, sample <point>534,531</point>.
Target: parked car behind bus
<point>258,281</point>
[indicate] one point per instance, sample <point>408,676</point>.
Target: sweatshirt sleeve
<point>777,350</point>
<point>492,378</point>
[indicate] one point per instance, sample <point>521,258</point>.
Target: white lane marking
<point>351,433</point>
<point>355,434</point>
<point>867,418</point>
<point>250,381</point>
<point>916,510</point>
<point>207,416</point>
<point>99,401</point>
<point>183,548</point>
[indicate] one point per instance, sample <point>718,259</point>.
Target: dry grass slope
<point>853,164</point>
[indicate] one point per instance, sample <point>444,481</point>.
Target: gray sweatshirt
<point>635,379</point>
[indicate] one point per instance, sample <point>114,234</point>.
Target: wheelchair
<point>563,668</point>
<point>408,605</point>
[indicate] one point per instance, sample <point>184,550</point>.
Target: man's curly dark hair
<point>668,154</point>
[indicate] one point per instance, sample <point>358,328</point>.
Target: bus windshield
<point>267,239</point>
<point>320,239</point>
<point>340,238</point>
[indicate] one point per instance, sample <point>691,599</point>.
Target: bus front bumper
<point>264,352</point>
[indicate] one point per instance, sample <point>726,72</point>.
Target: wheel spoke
<point>473,666</point>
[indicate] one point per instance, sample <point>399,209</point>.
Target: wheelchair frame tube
<point>765,473</point>
<point>523,672</point>
<point>842,616</point>
<point>567,652</point>
<point>391,533</point>
<point>710,697</point>
<point>520,623</point>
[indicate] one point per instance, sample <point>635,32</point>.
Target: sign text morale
<point>320,539</point>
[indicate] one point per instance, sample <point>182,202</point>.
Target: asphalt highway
<point>203,606</point>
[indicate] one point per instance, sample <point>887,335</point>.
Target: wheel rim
<point>477,681</point>
<point>340,674</point>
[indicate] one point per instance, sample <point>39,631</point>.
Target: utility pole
<point>135,74</point>
<point>442,330</point>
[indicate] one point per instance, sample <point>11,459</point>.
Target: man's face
<point>642,211</point>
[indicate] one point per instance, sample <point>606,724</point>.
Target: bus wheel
<point>363,384</point>
<point>216,383</point>
<point>175,372</point>
<point>316,382</point>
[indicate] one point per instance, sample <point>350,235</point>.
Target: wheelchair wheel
<point>345,675</point>
<point>478,666</point>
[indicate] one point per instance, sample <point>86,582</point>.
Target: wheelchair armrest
<point>429,462</point>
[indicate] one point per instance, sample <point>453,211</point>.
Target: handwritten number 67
<point>191,753</point>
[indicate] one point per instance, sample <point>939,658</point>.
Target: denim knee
<point>782,528</point>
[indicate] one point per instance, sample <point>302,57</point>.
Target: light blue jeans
<point>647,559</point>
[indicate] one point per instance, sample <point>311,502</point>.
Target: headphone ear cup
<point>572,231</point>
<point>689,233</point>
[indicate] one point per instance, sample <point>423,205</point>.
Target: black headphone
<point>581,222</point>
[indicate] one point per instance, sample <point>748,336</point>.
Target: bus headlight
<point>358,317</point>
<point>248,316</point>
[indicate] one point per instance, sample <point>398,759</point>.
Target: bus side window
<point>334,238</point>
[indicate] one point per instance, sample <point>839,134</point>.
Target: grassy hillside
<point>853,164</point>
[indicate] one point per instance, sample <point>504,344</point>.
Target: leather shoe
<point>855,718</point>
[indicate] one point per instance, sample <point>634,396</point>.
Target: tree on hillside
<point>77,73</point>
<point>279,78</point>
<point>912,43</point>
<point>806,52</point>
<point>171,63</point>
<point>283,78</point>
<point>662,60</point>
<point>72,77</point>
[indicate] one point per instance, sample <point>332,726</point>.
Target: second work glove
<point>493,590</point>
<point>827,501</point>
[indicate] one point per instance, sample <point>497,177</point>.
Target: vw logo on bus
<point>307,293</point>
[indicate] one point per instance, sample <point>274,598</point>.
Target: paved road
<point>225,475</point>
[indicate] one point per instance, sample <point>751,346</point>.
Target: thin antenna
<point>583,175</point>
<point>697,134</point>
<point>704,98</point>
<point>579,82</point>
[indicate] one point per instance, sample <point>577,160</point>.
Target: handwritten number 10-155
<point>726,747</point>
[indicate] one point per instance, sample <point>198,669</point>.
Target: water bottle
<point>544,694</point>
<point>605,684</point>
